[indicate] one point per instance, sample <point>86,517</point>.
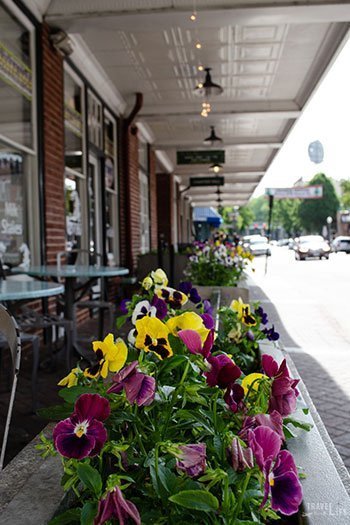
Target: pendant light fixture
<point>213,139</point>
<point>208,87</point>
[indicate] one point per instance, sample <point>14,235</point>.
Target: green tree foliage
<point>260,208</point>
<point>286,214</point>
<point>314,212</point>
<point>244,218</point>
<point>345,198</point>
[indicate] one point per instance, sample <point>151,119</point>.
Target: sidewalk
<point>331,401</point>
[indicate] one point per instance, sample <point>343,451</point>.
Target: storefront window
<point>72,192</point>
<point>16,85</point>
<point>144,196</point>
<point>15,174</point>
<point>73,123</point>
<point>94,120</point>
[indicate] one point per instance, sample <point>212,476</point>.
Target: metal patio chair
<point>10,331</point>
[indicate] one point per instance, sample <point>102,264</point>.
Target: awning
<point>208,215</point>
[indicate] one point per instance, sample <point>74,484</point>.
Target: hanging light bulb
<point>200,68</point>
<point>216,167</point>
<point>213,138</point>
<point>193,16</point>
<point>198,45</point>
<point>204,113</point>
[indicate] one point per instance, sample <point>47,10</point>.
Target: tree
<point>345,198</point>
<point>286,214</point>
<point>314,212</point>
<point>238,219</point>
<point>260,208</point>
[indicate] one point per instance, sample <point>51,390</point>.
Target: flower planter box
<point>30,490</point>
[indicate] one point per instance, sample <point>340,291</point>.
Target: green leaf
<point>70,394</point>
<point>196,500</point>
<point>297,424</point>
<point>120,321</point>
<point>56,412</point>
<point>88,513</point>
<point>67,518</point>
<point>90,477</point>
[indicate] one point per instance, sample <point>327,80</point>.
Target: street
<point>312,301</point>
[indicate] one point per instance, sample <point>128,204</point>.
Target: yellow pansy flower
<point>152,336</point>
<point>173,297</point>
<point>159,277</point>
<point>111,357</point>
<point>253,381</point>
<point>243,311</point>
<point>71,379</point>
<point>147,283</point>
<point>188,321</point>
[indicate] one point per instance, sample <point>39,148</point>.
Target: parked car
<point>248,239</point>
<point>341,244</point>
<point>311,246</point>
<point>259,246</point>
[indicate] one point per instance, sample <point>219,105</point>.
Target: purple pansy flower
<point>124,306</point>
<point>207,307</point>
<point>273,421</point>
<point>284,390</point>
<point>161,307</point>
<point>83,433</point>
<point>115,506</point>
<point>223,371</point>
<point>192,459</point>
<point>208,321</point>
<point>271,333</point>
<point>192,293</point>
<point>283,483</point>
<point>234,396</point>
<point>263,315</point>
<point>139,388</point>
<point>240,457</point>
<point>278,467</point>
<point>265,444</point>
<point>193,341</point>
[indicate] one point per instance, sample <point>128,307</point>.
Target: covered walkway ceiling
<point>268,57</point>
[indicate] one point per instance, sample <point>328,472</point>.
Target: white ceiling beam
<point>122,13</point>
<point>203,170</point>
<point>232,144</point>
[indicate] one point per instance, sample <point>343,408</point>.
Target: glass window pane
<point>72,191</point>
<point>94,121</point>
<point>15,171</point>
<point>73,124</point>
<point>143,155</point>
<point>16,90</point>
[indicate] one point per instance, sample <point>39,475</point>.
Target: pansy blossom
<point>83,433</point>
<point>243,311</point>
<point>139,388</point>
<point>152,336</point>
<point>114,505</point>
<point>110,356</point>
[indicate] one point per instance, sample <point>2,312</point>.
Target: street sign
<point>298,192</point>
<point>206,181</point>
<point>201,157</point>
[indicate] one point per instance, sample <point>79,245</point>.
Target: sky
<point>325,118</point>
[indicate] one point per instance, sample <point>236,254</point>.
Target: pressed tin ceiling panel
<point>268,57</point>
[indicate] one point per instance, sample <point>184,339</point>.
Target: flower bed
<point>217,263</point>
<point>180,433</point>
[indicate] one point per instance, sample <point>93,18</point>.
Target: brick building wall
<point>53,121</point>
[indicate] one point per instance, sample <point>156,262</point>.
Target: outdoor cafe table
<point>26,290</point>
<point>71,273</point>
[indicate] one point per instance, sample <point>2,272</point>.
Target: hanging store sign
<point>201,157</point>
<point>15,72</point>
<point>206,181</point>
<point>299,192</point>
